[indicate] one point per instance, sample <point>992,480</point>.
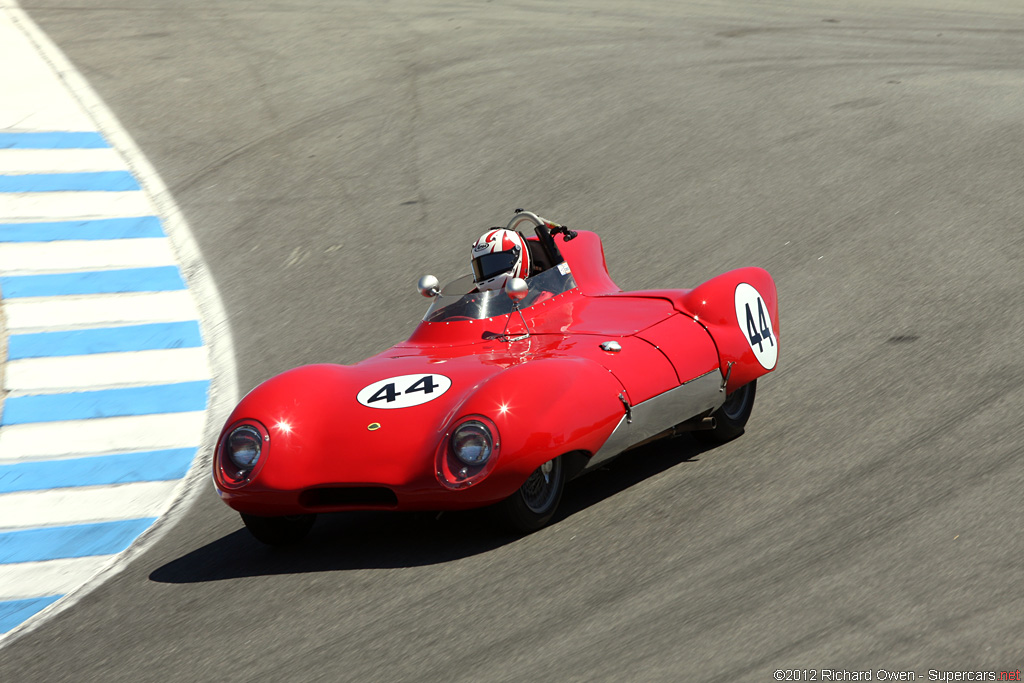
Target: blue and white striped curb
<point>108,375</point>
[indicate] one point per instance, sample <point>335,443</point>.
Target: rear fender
<point>740,310</point>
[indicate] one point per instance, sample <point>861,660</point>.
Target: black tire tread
<point>514,515</point>
<point>728,428</point>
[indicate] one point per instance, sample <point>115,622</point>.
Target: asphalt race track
<point>328,153</point>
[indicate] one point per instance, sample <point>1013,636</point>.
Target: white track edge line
<point>213,321</point>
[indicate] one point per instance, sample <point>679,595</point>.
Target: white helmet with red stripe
<point>498,255</point>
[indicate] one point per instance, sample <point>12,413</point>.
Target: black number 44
<point>389,392</point>
<point>762,332</point>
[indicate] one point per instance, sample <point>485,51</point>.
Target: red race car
<point>527,373</point>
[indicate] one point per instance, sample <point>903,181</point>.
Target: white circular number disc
<point>756,325</point>
<point>404,391</point>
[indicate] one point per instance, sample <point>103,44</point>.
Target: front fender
<point>543,409</point>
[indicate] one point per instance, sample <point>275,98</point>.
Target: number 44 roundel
<point>404,391</point>
<point>756,324</point>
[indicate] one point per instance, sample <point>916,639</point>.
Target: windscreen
<point>459,299</point>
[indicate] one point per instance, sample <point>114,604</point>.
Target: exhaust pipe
<point>695,425</point>
<point>706,423</point>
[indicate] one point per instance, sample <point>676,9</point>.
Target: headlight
<point>472,443</point>
<point>243,447</point>
<point>241,450</point>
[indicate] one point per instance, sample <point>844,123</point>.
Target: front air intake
<point>348,496</point>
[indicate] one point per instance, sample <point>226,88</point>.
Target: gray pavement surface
<point>867,154</point>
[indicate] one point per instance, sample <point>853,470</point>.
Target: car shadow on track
<point>379,540</point>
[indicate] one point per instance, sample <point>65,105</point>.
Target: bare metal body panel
<point>660,413</point>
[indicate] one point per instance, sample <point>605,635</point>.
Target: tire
<point>534,504</point>
<point>279,531</point>
<point>731,417</point>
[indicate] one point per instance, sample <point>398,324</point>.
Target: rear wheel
<point>534,504</point>
<point>278,531</point>
<point>731,417</point>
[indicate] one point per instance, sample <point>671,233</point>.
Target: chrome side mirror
<point>516,288</point>
<point>428,286</point>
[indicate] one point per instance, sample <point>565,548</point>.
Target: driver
<point>498,255</point>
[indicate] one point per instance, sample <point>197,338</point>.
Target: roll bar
<point>544,229</point>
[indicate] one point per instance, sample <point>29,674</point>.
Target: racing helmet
<point>498,255</point>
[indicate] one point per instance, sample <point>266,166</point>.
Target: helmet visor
<point>487,266</point>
